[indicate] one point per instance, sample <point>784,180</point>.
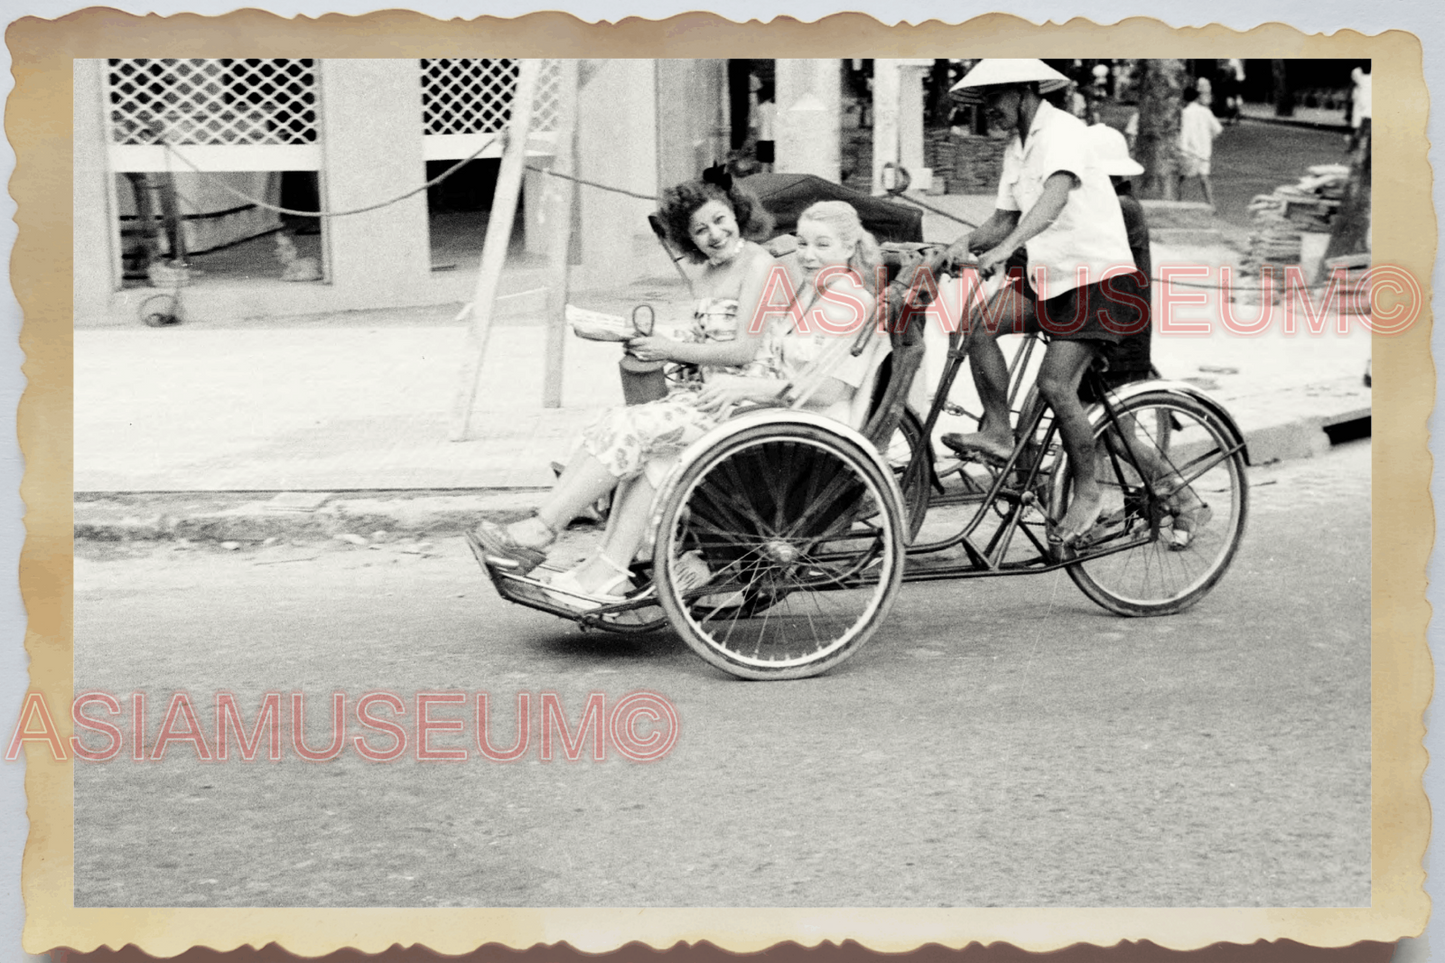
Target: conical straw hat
<point>1111,152</point>
<point>1004,72</point>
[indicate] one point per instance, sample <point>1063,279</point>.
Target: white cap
<point>997,72</point>
<point>1111,152</point>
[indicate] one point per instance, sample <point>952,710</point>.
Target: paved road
<point>1000,743</point>
<point>1254,158</point>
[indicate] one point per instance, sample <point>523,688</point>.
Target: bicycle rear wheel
<point>780,551</point>
<point>1157,549</point>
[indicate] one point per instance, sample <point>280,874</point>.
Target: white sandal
<point>569,592</point>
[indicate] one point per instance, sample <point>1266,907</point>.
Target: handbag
<point>642,381</point>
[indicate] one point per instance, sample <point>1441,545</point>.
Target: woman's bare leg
<point>626,531</point>
<point>583,481</point>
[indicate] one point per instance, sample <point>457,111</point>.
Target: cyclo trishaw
<point>809,527</point>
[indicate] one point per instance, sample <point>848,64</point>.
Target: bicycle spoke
<point>1165,441</point>
<point>795,600</point>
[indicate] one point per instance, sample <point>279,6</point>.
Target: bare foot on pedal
<point>1078,521</point>
<point>991,447</point>
<point>1189,515</point>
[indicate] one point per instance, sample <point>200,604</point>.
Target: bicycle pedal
<point>954,441</point>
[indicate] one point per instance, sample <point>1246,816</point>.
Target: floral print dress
<point>627,440</point>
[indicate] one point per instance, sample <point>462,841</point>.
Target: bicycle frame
<point>1015,485</point>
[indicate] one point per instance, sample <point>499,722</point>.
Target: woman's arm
<point>725,390</point>
<point>739,351</point>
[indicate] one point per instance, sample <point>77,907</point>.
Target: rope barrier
<point>600,187</point>
<point>171,149</point>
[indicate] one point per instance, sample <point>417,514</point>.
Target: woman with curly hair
<point>716,223</point>
<point>632,448</point>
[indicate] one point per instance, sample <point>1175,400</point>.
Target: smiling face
<point>820,246</point>
<point>714,229</point>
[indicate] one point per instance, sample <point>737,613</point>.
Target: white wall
<point>616,146</point>
<point>809,97</point>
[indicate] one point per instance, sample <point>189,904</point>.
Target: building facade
<point>237,138</point>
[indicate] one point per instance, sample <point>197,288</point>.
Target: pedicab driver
<point>1055,202</point>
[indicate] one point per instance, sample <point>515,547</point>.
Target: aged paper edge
<point>37,123</point>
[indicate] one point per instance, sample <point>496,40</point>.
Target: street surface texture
<point>999,743</point>
<point>1253,158</point>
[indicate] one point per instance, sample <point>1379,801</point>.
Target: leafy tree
<point>939,105</point>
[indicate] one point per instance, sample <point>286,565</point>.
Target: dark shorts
<point>1082,314</point>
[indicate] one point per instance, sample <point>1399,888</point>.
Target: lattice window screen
<point>212,101</point>
<point>475,96</point>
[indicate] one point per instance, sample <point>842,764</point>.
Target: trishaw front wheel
<point>779,551</point>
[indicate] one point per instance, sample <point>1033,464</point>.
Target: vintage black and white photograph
<point>724,483</point>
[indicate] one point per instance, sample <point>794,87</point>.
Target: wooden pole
<point>558,202</point>
<point>494,248</point>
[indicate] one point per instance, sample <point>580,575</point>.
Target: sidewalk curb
<point>235,519</point>
<point>1341,128</point>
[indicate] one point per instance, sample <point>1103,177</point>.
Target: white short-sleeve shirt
<point>1089,231</point>
<point>1197,129</point>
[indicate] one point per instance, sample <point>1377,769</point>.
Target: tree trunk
<point>1161,92</point>
<point>1351,231</point>
<point>1283,93</point>
<point>939,106</point>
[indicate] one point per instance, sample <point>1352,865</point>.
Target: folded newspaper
<point>597,326</point>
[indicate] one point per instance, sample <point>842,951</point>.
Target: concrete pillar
<point>371,139</point>
<point>96,234</point>
<point>616,146</point>
<point>898,117</point>
<point>910,117</point>
<point>809,97</point>
<point>885,118</point>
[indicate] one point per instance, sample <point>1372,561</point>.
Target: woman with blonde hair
<point>830,281</point>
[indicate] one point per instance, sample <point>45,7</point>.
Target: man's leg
<point>1208,189</point>
<point>1064,364</point>
<point>990,377</point>
<point>990,370</point>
